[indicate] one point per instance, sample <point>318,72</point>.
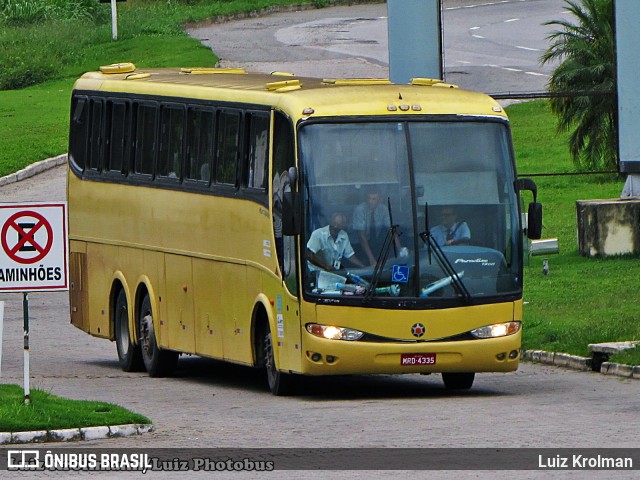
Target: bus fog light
<point>316,357</point>
<point>501,356</point>
<point>497,330</point>
<point>334,333</point>
<point>331,359</point>
<point>513,354</point>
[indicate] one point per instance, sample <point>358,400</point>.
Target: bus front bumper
<point>338,357</point>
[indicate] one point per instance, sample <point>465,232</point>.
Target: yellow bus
<point>296,225</point>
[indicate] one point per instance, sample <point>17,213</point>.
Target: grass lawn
<point>34,124</point>
<point>48,412</point>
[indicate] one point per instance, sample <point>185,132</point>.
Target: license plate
<point>412,359</point>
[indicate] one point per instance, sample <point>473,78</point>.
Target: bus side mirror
<point>534,222</point>
<point>528,184</point>
<point>291,224</point>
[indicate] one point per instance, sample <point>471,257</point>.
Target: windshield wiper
<point>443,261</point>
<point>389,239</point>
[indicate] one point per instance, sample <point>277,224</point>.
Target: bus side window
<point>283,159</point>
<point>145,139</point>
<point>79,131</point>
<point>171,142</point>
<point>200,134</point>
<point>228,147</point>
<point>117,138</point>
<point>96,139</point>
<point>257,164</point>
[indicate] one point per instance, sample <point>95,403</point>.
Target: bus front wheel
<point>279,383</point>
<point>158,362</point>
<point>129,354</point>
<point>458,381</point>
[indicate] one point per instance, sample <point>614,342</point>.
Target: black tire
<point>458,381</point>
<point>279,383</point>
<point>158,362</point>
<point>129,354</point>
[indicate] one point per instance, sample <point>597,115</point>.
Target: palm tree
<point>586,52</point>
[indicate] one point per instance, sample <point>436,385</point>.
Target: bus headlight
<point>497,330</point>
<point>334,333</point>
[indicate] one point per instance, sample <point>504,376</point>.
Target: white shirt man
<point>450,231</point>
<point>328,246</point>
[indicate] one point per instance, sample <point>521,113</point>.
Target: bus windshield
<point>419,209</point>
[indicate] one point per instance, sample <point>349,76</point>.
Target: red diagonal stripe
<point>26,237</point>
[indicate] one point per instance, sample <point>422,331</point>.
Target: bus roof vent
<point>282,74</point>
<point>431,82</point>
<point>212,71</point>
<point>137,76</point>
<point>356,81</point>
<point>284,86</point>
<point>126,67</point>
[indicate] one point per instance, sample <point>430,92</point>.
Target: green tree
<point>586,52</point>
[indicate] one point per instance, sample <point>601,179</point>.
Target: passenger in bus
<point>451,231</point>
<point>328,246</point>
<point>371,223</point>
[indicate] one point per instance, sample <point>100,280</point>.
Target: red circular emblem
<point>418,329</point>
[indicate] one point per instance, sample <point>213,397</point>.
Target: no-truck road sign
<point>33,247</point>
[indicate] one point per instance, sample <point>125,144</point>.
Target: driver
<point>329,245</point>
<point>451,231</point>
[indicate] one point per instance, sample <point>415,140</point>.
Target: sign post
<point>114,20</point>
<point>33,257</point>
<point>627,34</point>
<point>114,17</point>
<point>25,312</point>
<point>415,39</point>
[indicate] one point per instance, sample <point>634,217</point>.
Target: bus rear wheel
<point>279,383</point>
<point>458,381</point>
<point>129,354</point>
<point>158,362</point>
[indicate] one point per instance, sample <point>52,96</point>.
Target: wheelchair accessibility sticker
<point>400,274</point>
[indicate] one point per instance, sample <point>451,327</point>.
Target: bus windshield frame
<point>408,174</point>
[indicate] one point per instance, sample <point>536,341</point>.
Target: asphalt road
<point>492,47</point>
<point>209,404</point>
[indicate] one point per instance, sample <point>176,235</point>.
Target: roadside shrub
<point>75,9</point>
<point>29,12</point>
<point>23,65</point>
<point>22,12</point>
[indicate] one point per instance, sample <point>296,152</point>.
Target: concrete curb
<point>34,169</point>
<point>583,364</point>
<point>75,434</point>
